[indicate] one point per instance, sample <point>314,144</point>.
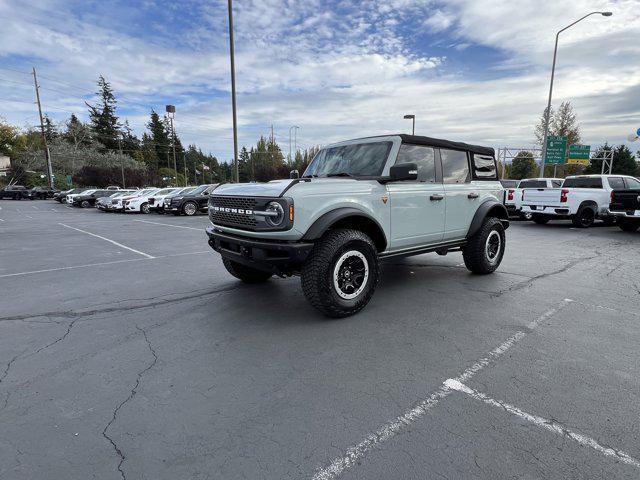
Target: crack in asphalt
<point>88,313</point>
<point>530,281</point>
<point>132,394</point>
<point>66,334</point>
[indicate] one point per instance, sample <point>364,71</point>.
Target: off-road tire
<point>317,277</point>
<point>245,273</point>
<point>540,219</point>
<point>584,217</point>
<point>476,254</point>
<point>628,225</point>
<point>190,204</point>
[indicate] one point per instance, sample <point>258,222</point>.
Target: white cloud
<point>338,72</point>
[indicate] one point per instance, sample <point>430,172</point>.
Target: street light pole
<point>233,91</point>
<point>413,119</point>
<point>547,113</point>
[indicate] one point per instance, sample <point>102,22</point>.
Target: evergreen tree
<point>50,129</point>
<point>624,162</point>
<point>160,140</point>
<point>104,121</point>
<point>523,166</point>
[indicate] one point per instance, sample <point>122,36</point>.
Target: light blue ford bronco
<point>360,202</point>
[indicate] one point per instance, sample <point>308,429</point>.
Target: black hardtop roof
<point>439,142</point>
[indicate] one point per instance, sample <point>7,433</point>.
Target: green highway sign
<point>579,154</point>
<point>556,150</point>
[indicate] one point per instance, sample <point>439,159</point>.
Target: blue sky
<point>475,71</point>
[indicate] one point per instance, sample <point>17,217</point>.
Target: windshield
<point>199,190</point>
<point>358,160</point>
<point>165,191</point>
<point>184,191</point>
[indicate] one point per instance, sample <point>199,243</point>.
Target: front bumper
<point>279,257</point>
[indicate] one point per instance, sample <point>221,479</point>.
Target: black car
<point>85,201</point>
<point>41,193</point>
<point>191,203</point>
<point>14,192</point>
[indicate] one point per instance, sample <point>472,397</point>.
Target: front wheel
<point>484,250</point>
<point>85,204</point>
<point>341,273</point>
<point>245,273</point>
<point>627,225</point>
<point>144,208</point>
<point>190,209</point>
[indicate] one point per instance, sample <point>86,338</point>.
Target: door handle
<point>435,198</point>
<point>473,195</point>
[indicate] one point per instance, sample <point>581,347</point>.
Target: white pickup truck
<point>582,198</point>
<point>513,195</point>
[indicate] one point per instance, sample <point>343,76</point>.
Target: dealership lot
<point>127,351</point>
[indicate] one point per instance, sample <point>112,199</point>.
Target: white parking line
<point>550,425</point>
<point>34,207</point>
<point>29,216</point>
<point>1,220</point>
<point>110,241</point>
<point>390,429</point>
<point>170,225</point>
<point>99,264</point>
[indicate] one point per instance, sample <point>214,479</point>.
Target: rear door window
<point>484,167</point>
<point>423,157</point>
<point>455,166</point>
<point>616,183</point>
<point>632,183</point>
<point>583,182</point>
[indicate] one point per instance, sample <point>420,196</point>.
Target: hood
<point>273,188</point>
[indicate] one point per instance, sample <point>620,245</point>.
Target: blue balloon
<point>638,132</point>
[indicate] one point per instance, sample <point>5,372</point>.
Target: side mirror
<point>294,174</point>
<point>403,171</point>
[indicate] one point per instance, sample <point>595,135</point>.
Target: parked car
<point>191,203</point>
<point>513,196</point>
<point>61,197</point>
<point>625,203</point>
<point>360,202</point>
<point>41,193</point>
<point>86,200</point>
<point>139,203</point>
<point>105,201</point>
<point>582,198</point>
<point>156,202</point>
<point>183,191</point>
<point>14,192</point>
<point>117,201</point>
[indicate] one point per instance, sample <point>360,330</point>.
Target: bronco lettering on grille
<point>233,210</point>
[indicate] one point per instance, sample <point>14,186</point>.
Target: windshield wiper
<point>340,174</point>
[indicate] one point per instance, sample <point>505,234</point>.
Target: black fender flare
<point>490,208</point>
<point>324,222</point>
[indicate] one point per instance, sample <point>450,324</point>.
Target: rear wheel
<point>584,218</point>
<point>341,273</point>
<point>484,250</point>
<point>190,209</point>
<point>539,219</point>
<point>245,273</point>
<point>627,225</point>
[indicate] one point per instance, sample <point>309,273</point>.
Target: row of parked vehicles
<point>583,199</point>
<point>176,200</point>
<point>20,192</point>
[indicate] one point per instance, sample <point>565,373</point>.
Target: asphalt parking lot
<point>127,351</point>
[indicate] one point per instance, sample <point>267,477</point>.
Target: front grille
<point>235,219</point>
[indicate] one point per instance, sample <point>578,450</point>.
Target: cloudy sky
<point>470,70</point>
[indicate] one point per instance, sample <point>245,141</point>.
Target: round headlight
<point>277,214</point>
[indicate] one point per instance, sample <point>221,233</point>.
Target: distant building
<point>5,165</point>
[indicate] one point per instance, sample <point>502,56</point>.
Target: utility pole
<point>233,90</point>
<point>47,157</point>
<point>121,160</point>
